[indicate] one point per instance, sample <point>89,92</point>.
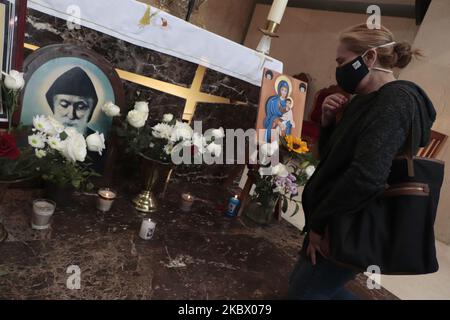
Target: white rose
<point>96,142</point>
<point>110,109</point>
<point>136,118</point>
<point>56,126</point>
<point>70,131</point>
<point>199,141</point>
<point>181,131</point>
<point>310,171</point>
<point>141,106</point>
<point>162,131</point>
<point>280,170</point>
<point>215,149</point>
<point>37,141</point>
<point>74,148</point>
<point>40,153</point>
<point>267,150</point>
<point>167,117</point>
<point>14,80</point>
<point>218,133</point>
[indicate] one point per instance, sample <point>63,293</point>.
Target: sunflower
<point>296,144</point>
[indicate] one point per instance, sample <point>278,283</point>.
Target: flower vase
<point>157,175</point>
<point>260,212</point>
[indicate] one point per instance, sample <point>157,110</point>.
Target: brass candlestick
<point>268,32</point>
<point>157,176</point>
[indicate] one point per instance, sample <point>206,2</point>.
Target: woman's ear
<point>370,58</point>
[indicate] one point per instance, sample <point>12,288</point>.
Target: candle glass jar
<point>105,199</point>
<point>186,202</point>
<point>43,210</point>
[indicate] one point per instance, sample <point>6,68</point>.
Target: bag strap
<point>410,143</point>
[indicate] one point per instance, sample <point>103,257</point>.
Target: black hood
<point>427,113</point>
<point>73,82</point>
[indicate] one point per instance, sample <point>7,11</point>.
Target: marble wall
<point>42,30</point>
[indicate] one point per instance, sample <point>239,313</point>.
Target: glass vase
<point>261,212</point>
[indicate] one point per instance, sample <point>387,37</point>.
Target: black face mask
<point>350,74</point>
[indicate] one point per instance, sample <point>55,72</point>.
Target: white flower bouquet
<point>160,140</point>
<point>63,152</point>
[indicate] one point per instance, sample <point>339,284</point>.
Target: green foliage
<point>25,166</point>
<point>141,141</point>
<point>63,172</point>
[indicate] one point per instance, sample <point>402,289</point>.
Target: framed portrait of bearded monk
<point>71,84</point>
<point>281,106</point>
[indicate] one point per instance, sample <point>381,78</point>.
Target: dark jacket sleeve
<point>384,134</point>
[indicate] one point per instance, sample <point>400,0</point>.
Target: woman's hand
<point>314,246</point>
<point>331,106</point>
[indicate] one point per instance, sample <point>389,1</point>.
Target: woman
<point>275,108</point>
<point>357,153</point>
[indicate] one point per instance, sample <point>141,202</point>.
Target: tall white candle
<point>277,10</point>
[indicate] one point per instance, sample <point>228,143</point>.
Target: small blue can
<point>233,206</point>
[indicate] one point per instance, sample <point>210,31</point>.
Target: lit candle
<point>186,202</point>
<point>233,206</point>
<point>147,229</point>
<point>105,199</point>
<point>277,10</point>
<point>42,212</point>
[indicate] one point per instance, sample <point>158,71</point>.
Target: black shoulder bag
<point>396,230</point>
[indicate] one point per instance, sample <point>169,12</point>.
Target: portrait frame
<point>55,56</point>
<point>12,31</point>
<point>284,114</point>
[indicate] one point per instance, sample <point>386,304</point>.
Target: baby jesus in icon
<point>287,119</point>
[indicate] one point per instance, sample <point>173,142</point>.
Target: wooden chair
<point>434,146</point>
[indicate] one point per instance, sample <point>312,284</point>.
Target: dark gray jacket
<point>357,153</point>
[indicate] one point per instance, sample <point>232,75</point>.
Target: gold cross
<point>192,95</point>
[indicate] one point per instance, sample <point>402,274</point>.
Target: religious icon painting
<point>281,106</point>
<point>71,84</point>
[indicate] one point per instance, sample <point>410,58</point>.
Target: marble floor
<point>197,255</point>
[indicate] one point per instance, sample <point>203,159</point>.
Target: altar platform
<point>200,254</point>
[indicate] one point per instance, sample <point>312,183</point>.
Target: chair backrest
<point>316,113</point>
<point>431,150</point>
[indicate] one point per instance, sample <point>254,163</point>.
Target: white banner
<point>165,33</point>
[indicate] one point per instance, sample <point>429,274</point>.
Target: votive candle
<point>147,229</point>
<point>233,205</point>
<point>105,199</point>
<point>43,210</point>
<point>186,202</point>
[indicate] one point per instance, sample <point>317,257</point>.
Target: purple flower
<point>280,182</point>
<point>291,177</point>
<point>293,190</point>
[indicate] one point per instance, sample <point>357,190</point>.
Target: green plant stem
<point>12,105</point>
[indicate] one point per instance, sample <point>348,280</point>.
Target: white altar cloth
<point>120,19</point>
